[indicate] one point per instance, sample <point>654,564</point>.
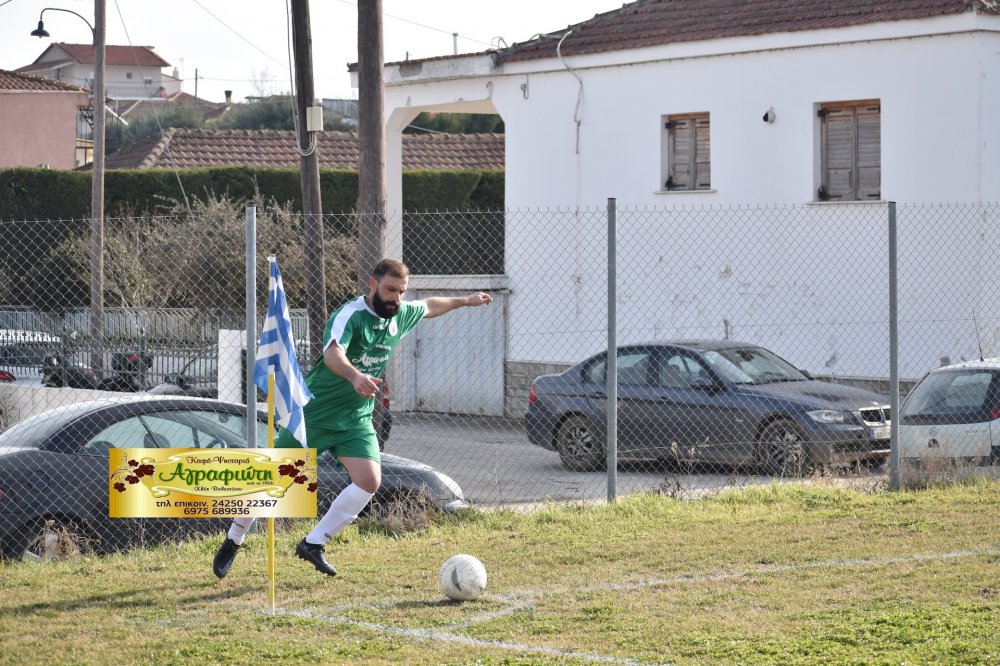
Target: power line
<point>421,25</point>
<point>156,115</point>
<point>226,26</point>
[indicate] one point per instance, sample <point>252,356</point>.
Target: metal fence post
<point>612,378</point>
<point>251,343</point>
<point>893,354</point>
<point>142,359</point>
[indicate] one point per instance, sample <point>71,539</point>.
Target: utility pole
<point>97,189</point>
<point>371,132</point>
<point>309,169</point>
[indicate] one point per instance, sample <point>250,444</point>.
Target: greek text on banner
<point>212,483</point>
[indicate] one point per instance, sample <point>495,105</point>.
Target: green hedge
<point>38,194</point>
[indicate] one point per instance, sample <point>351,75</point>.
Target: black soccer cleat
<point>224,557</point>
<point>313,553</point>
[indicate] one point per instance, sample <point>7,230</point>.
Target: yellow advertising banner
<point>212,483</point>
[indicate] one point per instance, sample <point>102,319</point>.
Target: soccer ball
<point>463,578</point>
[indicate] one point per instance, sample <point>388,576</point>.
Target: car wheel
<point>58,539</point>
<point>781,449</point>
<point>581,448</point>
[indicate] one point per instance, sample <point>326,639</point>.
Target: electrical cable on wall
<point>579,94</point>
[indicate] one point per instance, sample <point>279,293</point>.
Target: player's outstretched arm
<point>438,305</point>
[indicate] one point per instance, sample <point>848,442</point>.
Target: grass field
<point>772,575</point>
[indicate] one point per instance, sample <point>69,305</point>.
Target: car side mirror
<point>806,373</point>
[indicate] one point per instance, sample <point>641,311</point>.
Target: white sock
<point>343,510</point>
<point>238,530</point>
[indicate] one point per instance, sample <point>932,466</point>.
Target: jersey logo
<point>367,361</point>
<point>393,329</point>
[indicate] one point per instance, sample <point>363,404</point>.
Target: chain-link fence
<point>753,345</point>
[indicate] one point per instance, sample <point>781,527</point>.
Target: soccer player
<point>359,338</point>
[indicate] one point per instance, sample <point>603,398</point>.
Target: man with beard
<point>359,338</point>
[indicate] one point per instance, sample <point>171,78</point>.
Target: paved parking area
<point>495,464</point>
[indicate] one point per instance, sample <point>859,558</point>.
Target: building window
<point>128,75</point>
<point>687,165</point>
<point>850,151</point>
<point>148,81</point>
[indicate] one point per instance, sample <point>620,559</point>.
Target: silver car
<point>953,414</point>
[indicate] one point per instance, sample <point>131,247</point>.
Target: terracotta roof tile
<point>186,148</point>
<point>656,22</point>
<point>113,54</point>
<point>14,81</point>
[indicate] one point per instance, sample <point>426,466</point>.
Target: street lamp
<point>97,31</point>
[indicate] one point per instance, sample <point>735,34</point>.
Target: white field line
<point>762,570</point>
<point>432,635</point>
<point>524,599</point>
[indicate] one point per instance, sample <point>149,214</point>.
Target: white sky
<point>241,45</point>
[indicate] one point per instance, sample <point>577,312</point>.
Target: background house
<point>130,110</point>
<point>712,103</point>
<point>38,121</point>
<point>130,72</point>
<point>136,87</point>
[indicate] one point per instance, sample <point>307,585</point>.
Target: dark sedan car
<point>707,401</point>
<point>54,472</point>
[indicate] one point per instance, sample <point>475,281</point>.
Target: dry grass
<point>939,469</point>
<point>401,515</point>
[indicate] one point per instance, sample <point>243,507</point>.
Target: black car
<point>54,471</point>
<point>707,401</point>
<point>199,378</point>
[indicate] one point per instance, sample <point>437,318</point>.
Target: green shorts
<point>358,442</point>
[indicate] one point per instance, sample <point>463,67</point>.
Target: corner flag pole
<point>270,521</point>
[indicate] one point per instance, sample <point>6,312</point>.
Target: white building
<point>130,72</point>
<point>712,103</point>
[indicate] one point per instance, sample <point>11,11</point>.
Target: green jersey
<point>368,341</point>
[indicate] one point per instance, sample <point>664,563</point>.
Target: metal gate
<point>455,363</point>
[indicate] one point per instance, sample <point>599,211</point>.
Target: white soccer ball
<point>463,578</point>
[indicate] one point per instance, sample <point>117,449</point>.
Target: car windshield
<point>200,428</point>
<point>751,365</point>
<point>968,394</point>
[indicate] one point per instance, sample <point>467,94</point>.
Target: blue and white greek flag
<point>277,350</point>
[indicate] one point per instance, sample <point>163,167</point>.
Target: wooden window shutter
<point>689,152</point>
<point>850,137</point>
<point>681,152</point>
<point>869,131</point>
<point>702,164</point>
